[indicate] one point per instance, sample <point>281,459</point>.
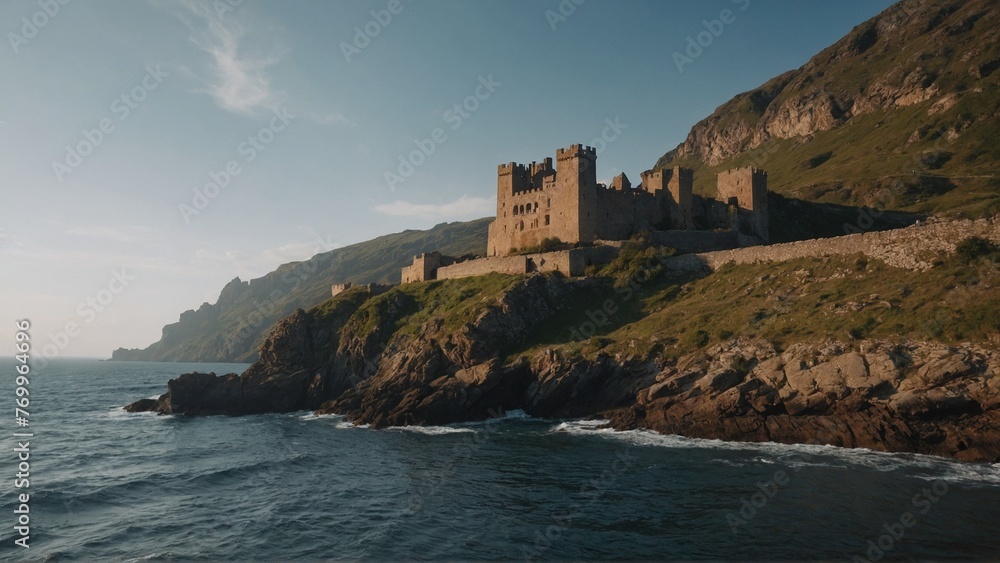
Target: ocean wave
<point>314,416</point>
<point>347,425</point>
<point>432,430</point>
<point>119,413</point>
<point>804,455</point>
<point>583,427</point>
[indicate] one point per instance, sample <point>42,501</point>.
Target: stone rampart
<point>914,247</point>
<point>572,262</point>
<point>687,242</point>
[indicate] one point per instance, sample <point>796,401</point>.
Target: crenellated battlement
<point>510,168</point>
<point>540,202</point>
<point>577,151</point>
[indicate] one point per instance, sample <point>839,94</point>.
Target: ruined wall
<point>914,247</point>
<point>696,241</point>
<point>749,187</point>
<point>672,188</point>
<point>620,214</point>
<point>423,267</point>
<point>710,213</point>
<point>572,263</point>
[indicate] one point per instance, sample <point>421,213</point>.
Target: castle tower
<point>749,188</point>
<point>679,184</point>
<point>576,194</point>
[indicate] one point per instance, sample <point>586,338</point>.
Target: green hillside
<point>902,114</point>
<point>232,329</point>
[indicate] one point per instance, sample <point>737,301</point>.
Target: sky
<point>153,150</point>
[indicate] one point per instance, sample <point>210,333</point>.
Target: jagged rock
<point>889,395</point>
<point>143,405</point>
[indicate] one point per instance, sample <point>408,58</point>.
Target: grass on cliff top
<point>845,298</point>
<point>407,308</point>
<point>870,162</point>
<point>629,312</point>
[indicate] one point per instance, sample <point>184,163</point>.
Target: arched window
<point>515,211</point>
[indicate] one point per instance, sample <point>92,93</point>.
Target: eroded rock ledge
<point>897,395</point>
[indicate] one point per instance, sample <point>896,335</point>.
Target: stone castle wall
<point>564,202</point>
<point>913,248</point>
<point>572,263</point>
<point>749,187</point>
<point>686,242</point>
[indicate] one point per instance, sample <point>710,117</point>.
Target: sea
<point>108,485</point>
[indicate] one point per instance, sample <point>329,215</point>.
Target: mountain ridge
<point>909,98</point>
<point>232,328</point>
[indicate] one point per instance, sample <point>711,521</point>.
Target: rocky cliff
<point>910,97</point>
<point>914,52</point>
<point>620,348</point>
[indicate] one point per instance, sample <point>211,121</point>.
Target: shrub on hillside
<point>976,248</point>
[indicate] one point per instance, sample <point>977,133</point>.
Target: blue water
<point>106,484</point>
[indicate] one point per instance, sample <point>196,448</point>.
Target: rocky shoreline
<point>889,395</point>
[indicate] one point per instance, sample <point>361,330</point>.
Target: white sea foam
<point>582,427</point>
<point>313,416</point>
<point>346,425</point>
<point>432,430</point>
<point>803,455</point>
<point>119,413</point>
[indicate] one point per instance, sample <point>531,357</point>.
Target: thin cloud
<point>240,82</point>
<point>463,207</point>
<point>117,234</point>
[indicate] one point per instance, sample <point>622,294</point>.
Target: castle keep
<point>564,203</point>
<point>538,202</point>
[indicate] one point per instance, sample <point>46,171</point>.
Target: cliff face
<point>458,350</point>
<point>917,51</point>
<point>894,395</point>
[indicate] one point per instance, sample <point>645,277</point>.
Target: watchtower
<point>575,201</point>
<point>747,188</point>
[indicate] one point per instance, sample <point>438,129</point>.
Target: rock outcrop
<point>882,395</point>
<point>914,52</point>
<point>350,357</point>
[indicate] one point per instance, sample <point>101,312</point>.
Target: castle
<point>538,201</point>
<point>539,205</point>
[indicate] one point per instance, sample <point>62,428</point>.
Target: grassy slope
<point>855,163</point>
<point>844,298</point>
<point>869,163</point>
